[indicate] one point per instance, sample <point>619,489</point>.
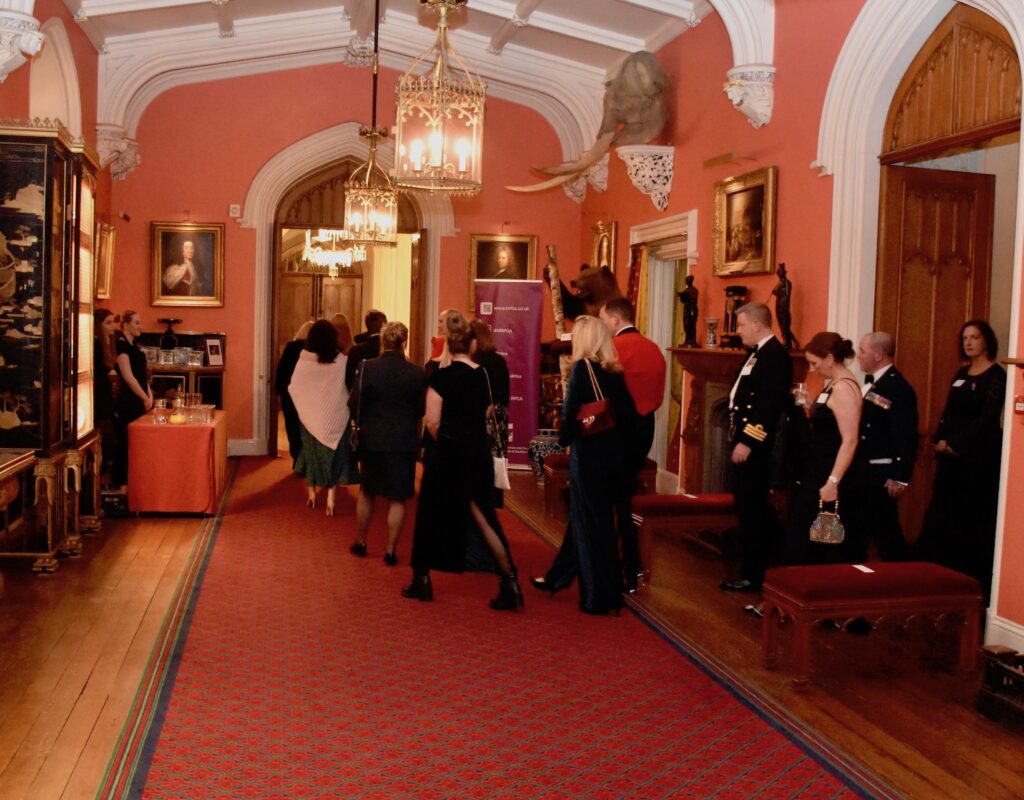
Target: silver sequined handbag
<point>827,528</point>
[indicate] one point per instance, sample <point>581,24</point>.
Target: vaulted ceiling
<point>551,55</point>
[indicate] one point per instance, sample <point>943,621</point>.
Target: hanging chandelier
<point>331,249</point>
<point>371,204</point>
<point>439,146</point>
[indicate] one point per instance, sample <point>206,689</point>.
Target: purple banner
<point>513,310</point>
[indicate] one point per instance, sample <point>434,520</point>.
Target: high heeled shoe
<point>542,585</point>
<point>510,596</point>
<point>391,559</point>
<point>419,589</point>
<point>330,503</point>
<point>311,501</point>
<point>358,549</point>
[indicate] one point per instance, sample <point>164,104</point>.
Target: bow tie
<point>751,350</point>
<point>869,378</point>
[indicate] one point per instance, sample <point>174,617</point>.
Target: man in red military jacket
<point>643,367</point>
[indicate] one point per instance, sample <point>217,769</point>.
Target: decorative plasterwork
<point>268,186</point>
<point>750,90</point>
<point>650,168</point>
<point>359,52</point>
<point>20,39</point>
<point>751,28</point>
<point>117,150</point>
<point>596,176</point>
<point>137,69</point>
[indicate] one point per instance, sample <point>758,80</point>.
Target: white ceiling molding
<point>225,19</point>
<point>20,38</point>
<point>566,27</point>
<point>520,19</point>
<point>53,88</point>
<point>268,186</point>
<point>751,82</point>
<point>136,69</point>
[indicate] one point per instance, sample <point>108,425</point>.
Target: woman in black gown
<point>597,467</point>
<point>104,364</point>
<point>456,503</point>
<point>136,396</point>
<point>487,356</point>
<point>827,474</point>
<point>959,527</point>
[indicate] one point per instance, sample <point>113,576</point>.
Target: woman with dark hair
<point>136,396</point>
<point>486,355</point>
<point>959,526</point>
<point>456,505</point>
<point>387,403</point>
<point>104,367</point>
<point>283,377</point>
<point>827,475</point>
<point>321,400</point>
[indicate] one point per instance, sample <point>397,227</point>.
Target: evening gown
<point>457,470</point>
<point>597,467</point>
<point>821,446</point>
<point>129,405</point>
<point>959,527</point>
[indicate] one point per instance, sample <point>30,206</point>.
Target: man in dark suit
<point>369,348</point>
<point>387,406</point>
<point>643,367</point>
<point>887,448</point>
<point>756,403</point>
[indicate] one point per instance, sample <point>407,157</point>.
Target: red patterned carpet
<point>300,672</point>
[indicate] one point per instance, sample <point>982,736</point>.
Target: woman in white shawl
<point>318,390</point>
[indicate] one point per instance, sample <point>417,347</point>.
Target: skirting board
<point>247,447</point>
<point>1005,632</point>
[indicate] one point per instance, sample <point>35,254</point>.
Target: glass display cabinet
<point>47,240</point>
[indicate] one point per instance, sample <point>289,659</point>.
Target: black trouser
<point>751,483</point>
<point>877,517</point>
<point>628,543</point>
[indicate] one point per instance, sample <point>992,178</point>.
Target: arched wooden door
<point>936,226</point>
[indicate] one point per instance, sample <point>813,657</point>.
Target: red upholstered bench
<point>680,515</point>
<point>807,595</point>
<point>556,481</point>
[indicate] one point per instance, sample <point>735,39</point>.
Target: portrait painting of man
<point>188,264</point>
<point>507,258</point>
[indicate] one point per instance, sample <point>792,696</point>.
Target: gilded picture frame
<point>605,236</point>
<point>501,257</point>
<point>744,225</point>
<point>105,236</point>
<point>187,263</point>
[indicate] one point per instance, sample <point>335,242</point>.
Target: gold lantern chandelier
<point>439,145</point>
<point>371,204</point>
<point>331,249</point>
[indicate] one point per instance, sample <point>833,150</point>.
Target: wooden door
<point>935,254</point>
<point>343,295</point>
<point>416,348</point>
<point>295,305</point>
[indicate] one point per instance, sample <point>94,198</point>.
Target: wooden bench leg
<point>802,653</point>
<point>969,641</point>
<point>770,635</point>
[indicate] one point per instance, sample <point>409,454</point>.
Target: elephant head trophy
<point>634,113</point>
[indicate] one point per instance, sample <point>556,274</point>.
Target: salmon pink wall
<point>1010,601</point>
<point>705,125</point>
<point>201,146</point>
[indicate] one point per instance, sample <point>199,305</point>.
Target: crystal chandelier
<point>371,204</point>
<point>331,249</point>
<point>440,114</point>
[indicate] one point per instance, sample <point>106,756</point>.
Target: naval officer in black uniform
<point>887,448</point>
<point>756,402</point>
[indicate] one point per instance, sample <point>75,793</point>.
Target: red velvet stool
<point>680,516</point>
<point>807,595</point>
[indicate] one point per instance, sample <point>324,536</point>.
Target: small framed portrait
<point>744,227</point>
<point>187,264</point>
<point>104,259</point>
<point>214,353</point>
<point>502,258</point>
<point>604,245</point>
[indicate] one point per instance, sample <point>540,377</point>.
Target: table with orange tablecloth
<point>176,468</point>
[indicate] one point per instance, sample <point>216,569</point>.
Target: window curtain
<point>637,293</point>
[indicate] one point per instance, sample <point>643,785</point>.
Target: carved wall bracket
<point>359,52</point>
<point>117,150</point>
<point>650,168</point>
<point>596,176</point>
<point>20,39</point>
<point>751,90</point>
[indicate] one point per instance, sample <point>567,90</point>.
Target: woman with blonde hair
<point>456,505</point>
<point>597,462</point>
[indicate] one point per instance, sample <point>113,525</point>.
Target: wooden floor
<point>73,646</point>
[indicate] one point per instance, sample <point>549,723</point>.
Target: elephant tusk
<point>570,170</point>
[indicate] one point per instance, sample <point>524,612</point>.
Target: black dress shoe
<point>419,589</point>
<point>358,549</point>
<point>741,585</point>
<point>542,585</point>
<point>391,559</point>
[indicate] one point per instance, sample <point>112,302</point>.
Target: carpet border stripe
<point>118,777</point>
<point>856,776</point>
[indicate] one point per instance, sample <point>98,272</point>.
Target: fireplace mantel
<point>718,367</point>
